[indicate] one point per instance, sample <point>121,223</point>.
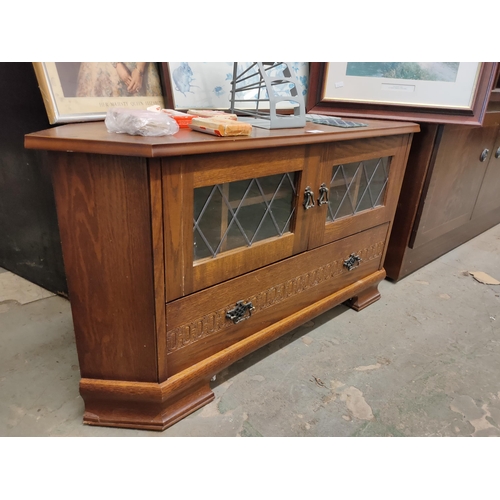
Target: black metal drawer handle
<point>352,262</point>
<point>484,155</point>
<point>240,312</point>
<point>308,198</point>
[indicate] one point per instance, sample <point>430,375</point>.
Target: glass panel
<point>357,186</point>
<point>237,214</point>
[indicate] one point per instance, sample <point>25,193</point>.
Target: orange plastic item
<point>182,119</point>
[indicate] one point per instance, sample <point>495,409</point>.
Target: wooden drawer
<point>197,326</point>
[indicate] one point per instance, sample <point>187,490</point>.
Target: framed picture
<point>444,92</point>
<point>84,91</point>
<point>207,85</point>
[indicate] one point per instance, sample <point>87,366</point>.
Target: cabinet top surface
<point>93,137</point>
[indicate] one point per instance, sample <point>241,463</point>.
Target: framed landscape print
<point>83,91</point>
<point>445,92</point>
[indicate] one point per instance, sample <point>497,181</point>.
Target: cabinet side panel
<point>412,189</point>
<point>103,209</point>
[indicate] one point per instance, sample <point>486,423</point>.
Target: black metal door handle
<point>323,195</point>
<point>308,198</point>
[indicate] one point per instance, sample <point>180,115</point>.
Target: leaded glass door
<point>239,213</point>
<point>356,185</point>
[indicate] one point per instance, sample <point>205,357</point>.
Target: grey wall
<point>29,235</point>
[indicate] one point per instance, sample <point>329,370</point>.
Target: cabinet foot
<point>364,298</point>
<point>138,405</point>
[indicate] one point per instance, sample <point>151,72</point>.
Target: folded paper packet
<point>211,113</point>
<point>220,127</point>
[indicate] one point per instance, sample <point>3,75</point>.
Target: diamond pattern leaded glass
<point>240,213</point>
<point>357,186</point>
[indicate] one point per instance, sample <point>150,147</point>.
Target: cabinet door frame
<point>182,175</point>
<point>396,148</point>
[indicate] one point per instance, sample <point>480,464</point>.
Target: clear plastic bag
<point>140,122</point>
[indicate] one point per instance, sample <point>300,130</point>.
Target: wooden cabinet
<point>449,194</point>
<point>185,253</point>
<point>248,207</point>
<point>488,198</point>
<point>458,172</point>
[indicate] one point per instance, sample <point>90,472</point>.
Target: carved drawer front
<point>210,320</point>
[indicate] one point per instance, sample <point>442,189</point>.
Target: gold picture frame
<point>65,90</point>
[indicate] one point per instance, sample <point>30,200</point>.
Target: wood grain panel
<point>178,219</point>
<point>340,228</point>
<point>226,167</point>
<point>412,189</point>
<point>197,326</point>
<point>142,405</point>
<point>360,150</point>
<point>155,183</point>
<point>104,218</point>
<point>456,178</point>
<point>210,271</point>
<point>94,138</point>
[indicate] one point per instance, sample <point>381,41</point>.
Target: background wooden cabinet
<point>489,194</point>
<point>461,159</point>
<point>450,193</point>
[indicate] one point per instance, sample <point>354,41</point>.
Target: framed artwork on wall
<point>84,91</point>
<point>207,85</point>
<point>443,92</point>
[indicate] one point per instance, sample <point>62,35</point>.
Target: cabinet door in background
<point>455,181</point>
<point>489,195</point>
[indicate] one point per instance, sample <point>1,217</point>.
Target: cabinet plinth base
<point>138,405</point>
<point>364,299</point>
<point>151,406</point>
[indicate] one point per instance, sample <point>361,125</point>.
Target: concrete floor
<point>422,361</point>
